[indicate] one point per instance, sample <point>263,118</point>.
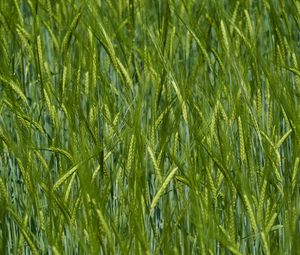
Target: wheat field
<point>149,127</point>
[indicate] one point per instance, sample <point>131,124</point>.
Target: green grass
<point>149,127</point>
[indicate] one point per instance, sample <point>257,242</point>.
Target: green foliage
<point>149,127</point>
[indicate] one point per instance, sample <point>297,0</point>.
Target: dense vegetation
<point>149,127</point>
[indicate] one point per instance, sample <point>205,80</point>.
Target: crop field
<point>149,127</point>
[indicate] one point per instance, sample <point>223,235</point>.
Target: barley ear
<point>162,189</point>
<point>241,139</point>
<point>295,173</point>
<point>250,213</point>
<point>3,199</point>
<point>225,37</point>
<point>155,164</point>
